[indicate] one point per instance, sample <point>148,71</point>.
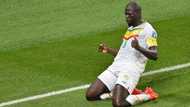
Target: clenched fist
<point>103,48</point>
<point>135,43</point>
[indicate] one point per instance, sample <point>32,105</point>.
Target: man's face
<point>131,15</point>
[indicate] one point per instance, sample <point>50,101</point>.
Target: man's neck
<point>135,24</point>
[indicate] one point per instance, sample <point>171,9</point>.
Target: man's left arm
<point>150,53</point>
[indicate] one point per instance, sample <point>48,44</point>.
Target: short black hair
<point>135,5</point>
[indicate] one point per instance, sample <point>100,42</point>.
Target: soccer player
<point>121,77</point>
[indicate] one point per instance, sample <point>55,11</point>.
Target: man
<point>139,45</point>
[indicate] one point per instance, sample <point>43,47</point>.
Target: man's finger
<point>101,47</point>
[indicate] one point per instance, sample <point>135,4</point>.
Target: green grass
<point>52,45</point>
<point>170,96</point>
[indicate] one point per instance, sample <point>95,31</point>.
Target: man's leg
<point>122,98</point>
<point>106,96</point>
<point>105,82</point>
<point>148,95</point>
<point>95,90</point>
<point>119,96</point>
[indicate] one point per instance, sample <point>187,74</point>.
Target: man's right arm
<point>105,49</point>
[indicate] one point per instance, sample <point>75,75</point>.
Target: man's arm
<point>105,49</point>
<point>150,53</point>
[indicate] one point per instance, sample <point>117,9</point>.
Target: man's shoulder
<point>145,26</point>
<point>149,29</point>
<point>148,26</point>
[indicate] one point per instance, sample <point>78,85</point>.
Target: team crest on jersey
<point>133,33</point>
<point>154,34</point>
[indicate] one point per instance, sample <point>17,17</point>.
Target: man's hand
<point>135,44</point>
<point>150,53</point>
<point>103,48</point>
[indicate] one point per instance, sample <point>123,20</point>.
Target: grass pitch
<point>52,45</point>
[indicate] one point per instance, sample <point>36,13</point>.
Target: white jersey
<point>130,57</point>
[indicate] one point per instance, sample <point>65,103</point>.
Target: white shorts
<point>127,78</point>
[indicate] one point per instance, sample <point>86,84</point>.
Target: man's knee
<point>95,90</point>
<point>88,96</point>
<point>92,94</point>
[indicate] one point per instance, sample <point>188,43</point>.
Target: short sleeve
<point>151,39</point>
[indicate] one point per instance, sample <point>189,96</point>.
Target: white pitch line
<point>53,93</point>
<point>40,96</point>
<point>167,69</point>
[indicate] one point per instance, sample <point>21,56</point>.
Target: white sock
<point>136,99</point>
<point>105,96</point>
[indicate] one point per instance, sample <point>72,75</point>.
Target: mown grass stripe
<point>53,93</point>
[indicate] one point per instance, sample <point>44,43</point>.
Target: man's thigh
<point>120,94</point>
<point>128,80</point>
<point>95,90</point>
<point>108,78</point>
<point>105,83</point>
